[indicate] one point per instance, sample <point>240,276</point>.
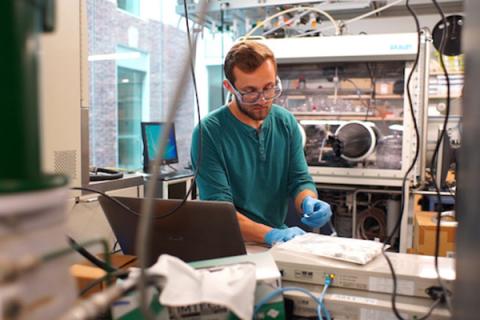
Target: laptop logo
<point>176,238</point>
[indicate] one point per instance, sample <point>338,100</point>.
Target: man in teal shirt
<point>252,153</point>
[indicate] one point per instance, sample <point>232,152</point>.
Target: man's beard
<point>249,110</point>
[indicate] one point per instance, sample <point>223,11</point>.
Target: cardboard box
<point>424,235</point>
<point>363,84</point>
<point>85,273</point>
<point>268,280</point>
<point>383,87</point>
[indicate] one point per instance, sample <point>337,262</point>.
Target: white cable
<point>352,20</point>
<point>261,24</point>
<point>147,213</point>
<point>373,12</point>
<point>292,20</point>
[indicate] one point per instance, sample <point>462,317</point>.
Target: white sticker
<point>404,287</point>
<point>370,314</point>
<point>354,299</point>
<point>272,313</point>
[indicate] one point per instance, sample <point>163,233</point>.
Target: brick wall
<point>108,28</point>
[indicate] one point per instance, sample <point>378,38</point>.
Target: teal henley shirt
<point>255,170</point>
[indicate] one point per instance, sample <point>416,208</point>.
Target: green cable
<point>64,251</point>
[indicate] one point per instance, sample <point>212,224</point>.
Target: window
<point>130,85</point>
<point>132,6</point>
<point>215,87</point>
<point>132,102</point>
<point>133,67</point>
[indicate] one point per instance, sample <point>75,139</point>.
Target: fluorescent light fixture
<point>321,122</point>
<point>125,80</point>
<point>115,56</point>
<point>396,127</point>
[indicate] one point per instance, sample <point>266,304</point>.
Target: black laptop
<point>199,230</point>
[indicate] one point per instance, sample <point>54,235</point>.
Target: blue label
<point>402,47</point>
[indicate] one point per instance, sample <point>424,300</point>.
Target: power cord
<point>445,294</point>
<point>90,257</point>
<point>318,300</point>
<point>121,204</point>
<point>410,168</point>
<point>116,274</point>
<point>437,147</point>
<point>130,210</point>
<point>343,24</point>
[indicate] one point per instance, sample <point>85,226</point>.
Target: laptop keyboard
<point>175,174</point>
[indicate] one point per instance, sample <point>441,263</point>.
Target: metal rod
<point>354,205</point>
<point>423,110</point>
<point>432,193</point>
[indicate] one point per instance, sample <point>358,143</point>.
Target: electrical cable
<point>397,225</point>
<point>108,197</point>
<point>328,281</point>
<point>284,23</point>
<point>412,114</point>
<point>101,302</point>
<point>395,281</point>
<point>365,15</point>
<point>145,226</point>
<point>90,257</point>
<point>370,214</point>
<point>222,53</point>
<point>130,210</point>
<point>96,282</point>
<point>279,291</point>
<point>410,168</point>
<point>373,80</point>
<point>437,147</point>
<point>261,24</point>
<point>332,228</point>
<point>114,248</point>
<point>28,263</point>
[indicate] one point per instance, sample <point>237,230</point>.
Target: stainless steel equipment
<point>330,82</point>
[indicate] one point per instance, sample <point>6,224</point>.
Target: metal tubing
<point>354,209</point>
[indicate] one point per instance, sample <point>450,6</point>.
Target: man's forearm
<point>251,230</point>
<point>301,196</point>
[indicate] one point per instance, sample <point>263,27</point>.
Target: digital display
<point>151,132</point>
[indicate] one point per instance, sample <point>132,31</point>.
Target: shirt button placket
<point>261,146</point>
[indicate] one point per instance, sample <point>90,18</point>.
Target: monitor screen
<point>151,132</point>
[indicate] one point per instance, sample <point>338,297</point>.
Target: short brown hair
<point>247,56</point>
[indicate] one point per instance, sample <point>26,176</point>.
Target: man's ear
<point>228,86</point>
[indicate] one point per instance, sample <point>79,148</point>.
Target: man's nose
<point>263,100</point>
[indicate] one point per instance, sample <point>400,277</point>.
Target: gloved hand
<point>316,213</point>
<point>282,235</point>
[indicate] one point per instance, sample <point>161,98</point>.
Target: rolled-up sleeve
<point>212,178</point>
<point>298,177</point>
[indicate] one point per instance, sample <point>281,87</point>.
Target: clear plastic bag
<point>344,249</point>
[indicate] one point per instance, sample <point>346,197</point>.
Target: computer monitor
<point>151,132</point>
<point>446,157</point>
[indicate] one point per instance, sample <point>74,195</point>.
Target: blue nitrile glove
<point>316,213</point>
<point>282,235</point>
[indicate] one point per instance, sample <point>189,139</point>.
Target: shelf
<point>303,95</point>
<point>377,97</point>
<point>450,73</point>
<point>444,97</point>
<point>343,116</point>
